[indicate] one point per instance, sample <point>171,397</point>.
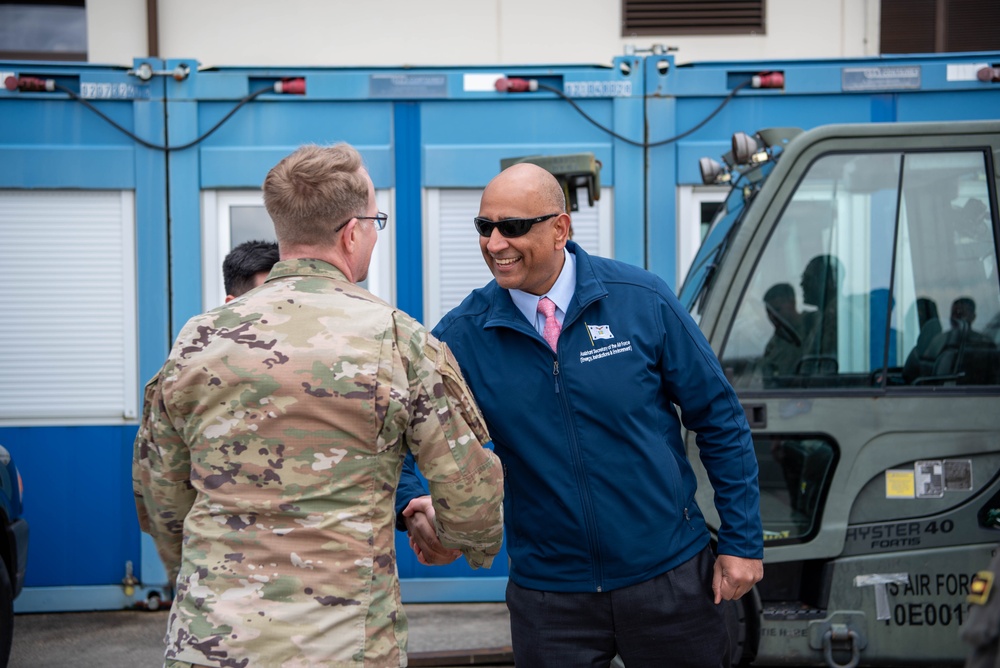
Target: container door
<point>83,279</point>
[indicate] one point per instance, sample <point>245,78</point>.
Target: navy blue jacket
<point>599,491</point>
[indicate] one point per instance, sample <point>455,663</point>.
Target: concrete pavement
<point>440,635</point>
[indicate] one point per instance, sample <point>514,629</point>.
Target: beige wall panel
<point>454,32</point>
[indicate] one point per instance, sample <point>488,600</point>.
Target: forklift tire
<point>742,627</point>
<point>6,615</point>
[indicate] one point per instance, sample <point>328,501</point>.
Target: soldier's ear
<point>348,235</point>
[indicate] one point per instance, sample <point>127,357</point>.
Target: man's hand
<point>734,576</point>
<point>419,518</point>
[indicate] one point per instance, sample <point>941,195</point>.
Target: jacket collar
<point>305,267</point>
<point>589,288</point>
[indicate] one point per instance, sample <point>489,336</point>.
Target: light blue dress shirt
<point>561,294</point>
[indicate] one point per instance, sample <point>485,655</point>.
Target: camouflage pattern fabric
<point>266,466</point>
<point>982,630</point>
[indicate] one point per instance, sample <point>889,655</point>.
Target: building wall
<point>453,32</point>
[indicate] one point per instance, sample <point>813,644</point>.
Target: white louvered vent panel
<point>462,266</point>
<point>67,335</point>
<point>586,228</point>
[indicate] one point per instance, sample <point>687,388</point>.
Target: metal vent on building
<point>692,17</point>
<point>939,26</point>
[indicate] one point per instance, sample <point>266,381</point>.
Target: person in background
<point>982,630</point>
<point>267,464</point>
<point>246,267</point>
<point>916,364</point>
<point>784,349</point>
<point>821,286</point>
<point>580,365</point>
<point>963,354</point>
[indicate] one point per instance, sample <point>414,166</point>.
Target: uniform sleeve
<point>983,626</point>
<point>446,435</point>
<point>710,407</point>
<point>161,468</point>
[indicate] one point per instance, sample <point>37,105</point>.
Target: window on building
<point>939,26</point>
<point>234,216</point>
<point>43,30</point>
<point>684,17</point>
<point>697,208</point>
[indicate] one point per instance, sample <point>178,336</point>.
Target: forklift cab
<point>854,303</point>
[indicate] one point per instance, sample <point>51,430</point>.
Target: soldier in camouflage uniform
<point>244,268</point>
<point>269,453</point>
<point>982,630</point>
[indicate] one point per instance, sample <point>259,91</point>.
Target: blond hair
<point>313,191</point>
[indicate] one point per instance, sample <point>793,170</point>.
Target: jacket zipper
<point>581,480</point>
<point>578,463</point>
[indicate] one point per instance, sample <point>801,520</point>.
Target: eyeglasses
<point>509,227</point>
<point>379,218</point>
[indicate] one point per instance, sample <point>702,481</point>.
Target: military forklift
<point>849,285</point>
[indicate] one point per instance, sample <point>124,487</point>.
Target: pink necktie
<point>552,327</point>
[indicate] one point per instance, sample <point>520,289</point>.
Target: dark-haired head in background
<point>247,266</point>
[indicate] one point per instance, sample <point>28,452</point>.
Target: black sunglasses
<point>511,227</point>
